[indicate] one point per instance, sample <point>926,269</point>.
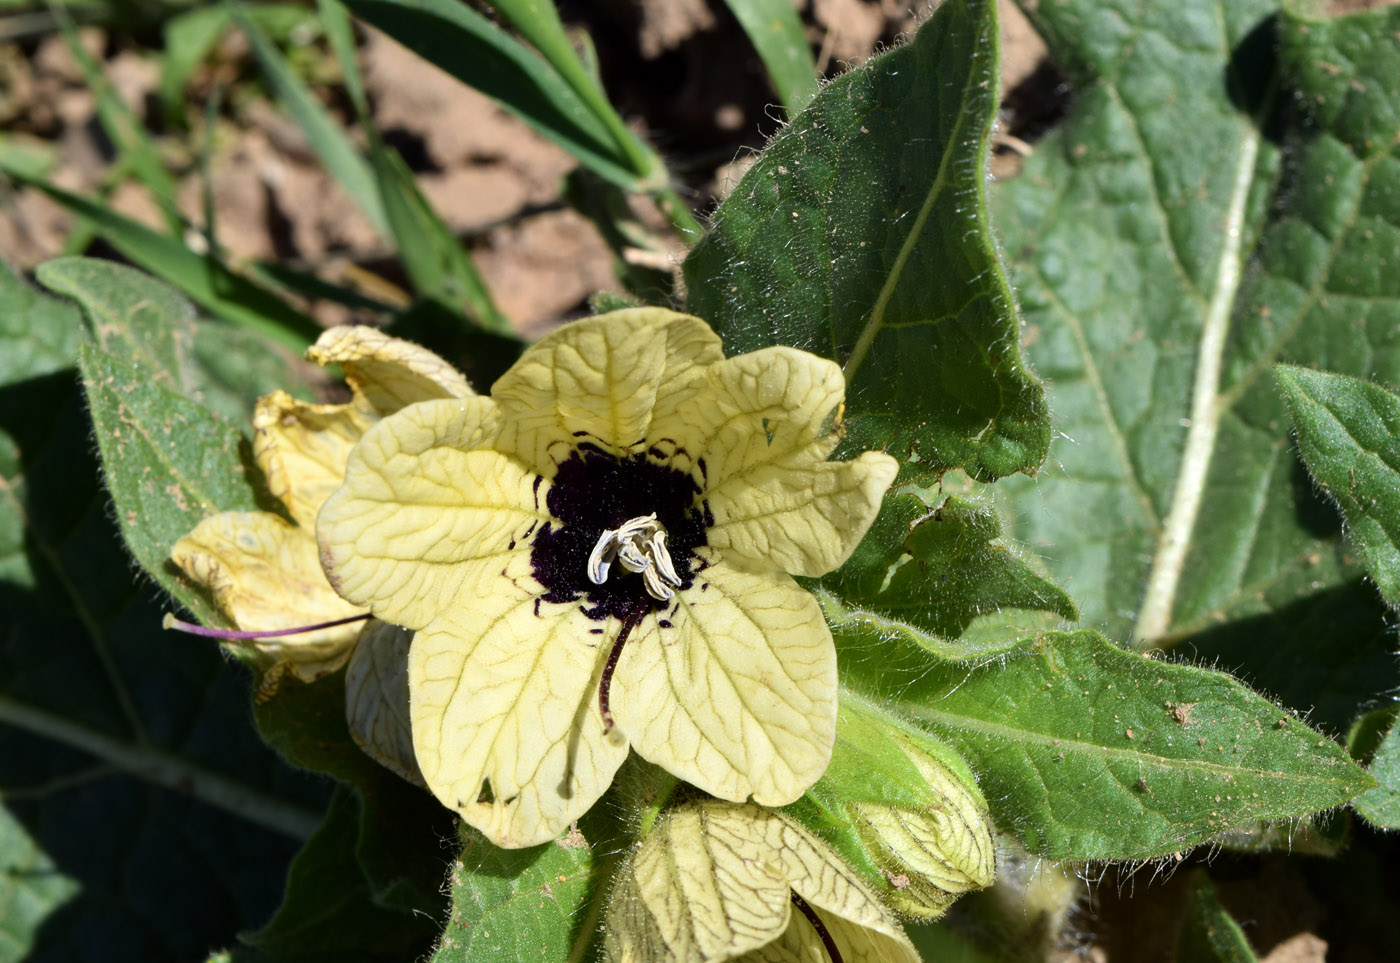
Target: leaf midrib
<point>1174,539</point>
<point>876,320</point>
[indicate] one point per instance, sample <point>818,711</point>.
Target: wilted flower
<point>608,538</point>
<point>717,881</point>
<point>262,570</point>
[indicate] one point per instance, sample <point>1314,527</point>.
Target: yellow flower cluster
<point>597,557</point>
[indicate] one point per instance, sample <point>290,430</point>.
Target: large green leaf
<point>1087,751</point>
<point>861,235</point>
<point>40,334</point>
<point>168,463</point>
<point>129,767</point>
<point>168,459</point>
<point>1167,256</point>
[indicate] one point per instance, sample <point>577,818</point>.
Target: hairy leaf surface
<point>1087,751</point>
<point>859,235</point>
<point>143,819</point>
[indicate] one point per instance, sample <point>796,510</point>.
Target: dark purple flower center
<point>595,492</point>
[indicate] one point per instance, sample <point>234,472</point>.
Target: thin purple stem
<point>822,932</point>
<point>632,619</point>
<point>171,622</point>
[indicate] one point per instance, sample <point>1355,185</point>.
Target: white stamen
<point>639,544</point>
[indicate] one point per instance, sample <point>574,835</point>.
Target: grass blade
<point>206,281</point>
<point>471,48</point>
<point>776,33</point>
<point>325,136</point>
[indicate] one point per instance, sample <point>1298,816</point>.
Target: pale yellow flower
<point>624,483</point>
<point>717,881</point>
<point>261,570</point>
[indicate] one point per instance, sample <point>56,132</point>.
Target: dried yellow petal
<point>263,575</point>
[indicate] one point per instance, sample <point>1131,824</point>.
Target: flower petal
<point>738,694</point>
<point>750,409</point>
<point>376,698</point>
<point>386,372</point>
<point>697,889</point>
<point>713,882</point>
<point>422,503</point>
<point>864,930</point>
<point>800,513</point>
<point>505,714</point>
<point>596,380</point>
<point>263,574</point>
<point>302,448</point>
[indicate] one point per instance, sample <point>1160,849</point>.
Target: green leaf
<point>1381,806</point>
<point>471,48</point>
<point>1349,436</point>
<point>40,334</point>
<point>168,463</point>
<point>129,763</point>
<point>340,157</point>
<point>1086,751</point>
<point>937,569</point>
<point>31,888</point>
<point>1208,933</point>
<point>131,316</point>
<point>398,846</point>
<point>861,235</point>
<point>328,913</point>
<point>204,279</point>
<point>142,321</point>
<point>516,904</point>
<point>776,32</point>
<point>1167,256</point>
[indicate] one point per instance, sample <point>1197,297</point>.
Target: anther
<point>639,546</point>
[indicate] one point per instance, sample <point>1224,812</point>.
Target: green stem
<point>164,769</point>
<point>652,810</point>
